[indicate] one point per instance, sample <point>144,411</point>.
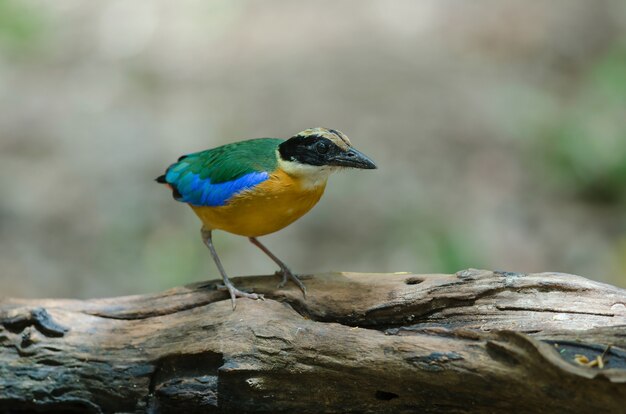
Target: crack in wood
<point>549,310</point>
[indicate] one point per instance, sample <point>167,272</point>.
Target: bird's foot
<point>236,293</point>
<point>288,274</point>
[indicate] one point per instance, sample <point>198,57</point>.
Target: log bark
<point>475,341</point>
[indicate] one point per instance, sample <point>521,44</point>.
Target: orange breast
<point>270,206</point>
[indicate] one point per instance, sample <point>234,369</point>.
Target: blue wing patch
<point>201,192</point>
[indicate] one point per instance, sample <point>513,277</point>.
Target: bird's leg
<point>234,292</point>
<point>283,267</point>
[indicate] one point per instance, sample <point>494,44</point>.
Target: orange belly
<point>267,208</point>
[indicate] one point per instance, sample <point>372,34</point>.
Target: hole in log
<point>181,383</point>
<point>414,281</point>
<point>192,365</point>
<point>385,396</point>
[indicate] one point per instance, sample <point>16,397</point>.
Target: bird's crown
<point>336,137</point>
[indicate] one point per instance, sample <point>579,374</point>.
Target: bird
<point>255,187</point>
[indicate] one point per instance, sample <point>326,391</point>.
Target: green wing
<point>212,177</point>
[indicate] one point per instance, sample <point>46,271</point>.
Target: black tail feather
<point>175,193</point>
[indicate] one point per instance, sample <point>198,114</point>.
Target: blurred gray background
<point>499,128</point>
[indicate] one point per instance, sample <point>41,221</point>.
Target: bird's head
<point>316,152</point>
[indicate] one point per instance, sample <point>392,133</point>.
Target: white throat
<point>311,176</point>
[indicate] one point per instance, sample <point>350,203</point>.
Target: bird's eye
<point>322,147</point>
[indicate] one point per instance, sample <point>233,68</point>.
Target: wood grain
<point>475,341</point>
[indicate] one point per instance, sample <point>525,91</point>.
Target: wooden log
<point>476,341</point>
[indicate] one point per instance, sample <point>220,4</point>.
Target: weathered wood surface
<point>477,341</point>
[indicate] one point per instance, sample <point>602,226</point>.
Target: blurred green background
<point>499,127</point>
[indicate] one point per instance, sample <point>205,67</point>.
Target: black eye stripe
<point>322,147</point>
<point>312,149</point>
<point>330,145</point>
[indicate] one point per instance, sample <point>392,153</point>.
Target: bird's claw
<point>286,273</point>
<point>283,281</point>
<point>236,293</point>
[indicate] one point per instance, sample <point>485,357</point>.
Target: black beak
<point>352,159</point>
